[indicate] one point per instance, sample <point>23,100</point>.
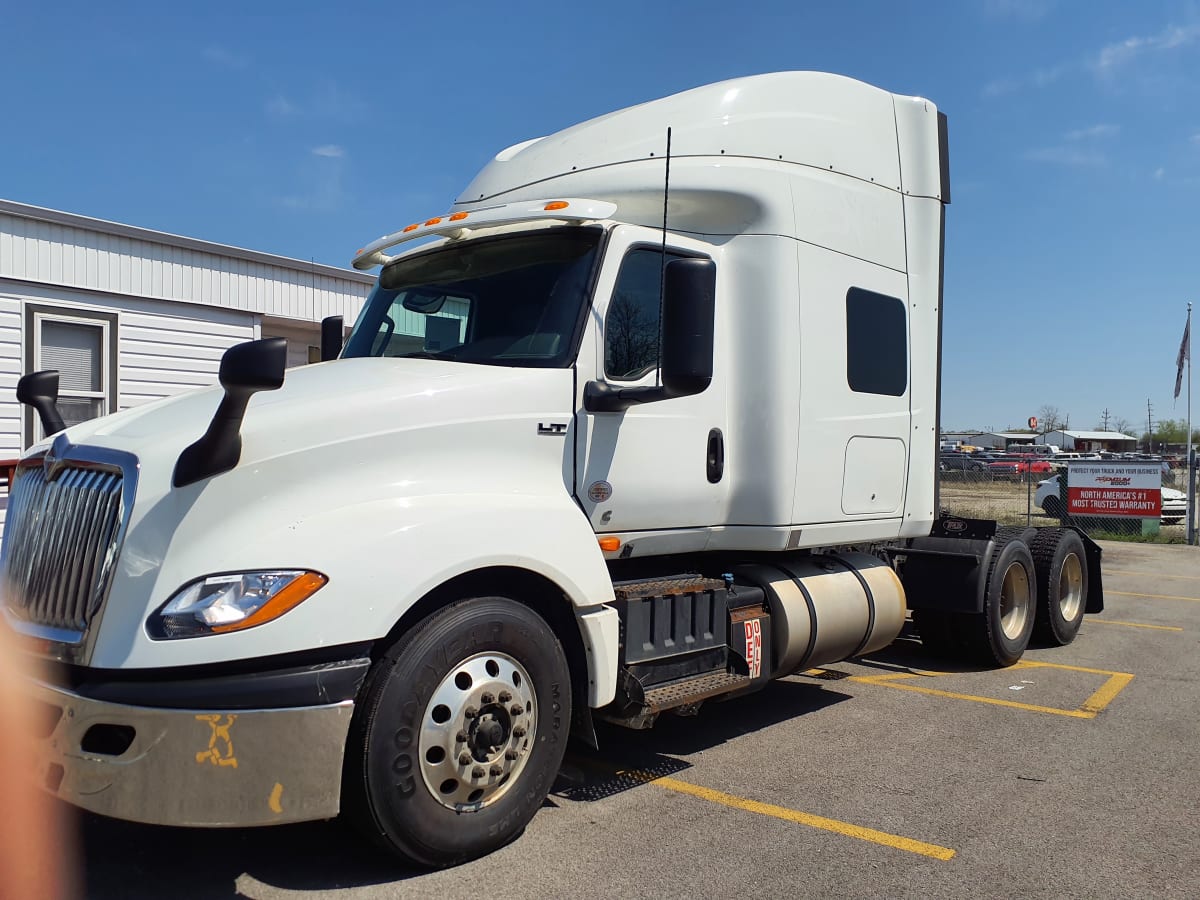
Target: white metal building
<point>128,315</point>
<point>1092,440</point>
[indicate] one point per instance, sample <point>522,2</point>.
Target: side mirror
<point>689,304</point>
<point>332,328</point>
<point>688,328</point>
<point>245,369</point>
<point>40,390</point>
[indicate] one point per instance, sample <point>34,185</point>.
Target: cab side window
<point>633,327</point>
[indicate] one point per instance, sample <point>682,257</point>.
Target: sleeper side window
<point>876,343</point>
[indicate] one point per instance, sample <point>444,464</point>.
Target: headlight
<point>221,603</point>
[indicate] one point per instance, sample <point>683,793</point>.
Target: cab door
<point>662,465</point>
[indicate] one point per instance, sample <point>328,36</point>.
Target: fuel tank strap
<point>870,602</point>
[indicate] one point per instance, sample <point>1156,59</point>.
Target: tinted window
<point>876,343</point>
<point>632,329</point>
<point>508,301</point>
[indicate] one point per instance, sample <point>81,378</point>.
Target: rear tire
<point>460,733</point>
<point>1000,634</point>
<point>1062,585</point>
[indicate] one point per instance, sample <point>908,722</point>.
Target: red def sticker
<point>754,646</point>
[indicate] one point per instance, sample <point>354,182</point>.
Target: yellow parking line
<point>1106,693</point>
<point>1038,664</point>
<point>1151,575</point>
<point>1133,624</point>
<point>1099,699</point>
<point>791,815</point>
<point>1071,713</point>
<point>1152,596</point>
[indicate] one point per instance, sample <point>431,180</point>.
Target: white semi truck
<point>652,419</point>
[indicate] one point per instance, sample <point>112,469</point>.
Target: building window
<point>876,343</point>
<point>81,347</point>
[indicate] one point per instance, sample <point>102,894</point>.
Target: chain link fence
<point>1034,492</point>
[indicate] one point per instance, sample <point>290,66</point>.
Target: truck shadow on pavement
<point>129,860</point>
<point>629,759</point>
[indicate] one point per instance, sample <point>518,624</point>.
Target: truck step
<point>693,690</point>
<point>666,587</point>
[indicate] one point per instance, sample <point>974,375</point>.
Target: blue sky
<point>304,128</point>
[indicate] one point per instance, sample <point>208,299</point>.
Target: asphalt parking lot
<point>1075,773</point>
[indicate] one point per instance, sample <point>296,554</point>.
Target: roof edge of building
<point>104,226</point>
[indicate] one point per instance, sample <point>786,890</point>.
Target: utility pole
<point>1149,427</point>
<point>1104,418</point>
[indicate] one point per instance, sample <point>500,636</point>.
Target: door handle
<point>716,455</point>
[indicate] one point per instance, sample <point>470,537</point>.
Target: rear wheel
<point>1000,634</point>
<point>1062,584</point>
<point>461,732</point>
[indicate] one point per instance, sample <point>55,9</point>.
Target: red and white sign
<point>1114,489</point>
<point>754,646</point>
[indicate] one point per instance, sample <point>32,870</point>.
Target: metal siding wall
<point>10,371</point>
<point>162,348</point>
<point>163,354</point>
<point>48,252</point>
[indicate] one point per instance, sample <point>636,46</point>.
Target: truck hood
<point>326,403</point>
<point>388,476</point>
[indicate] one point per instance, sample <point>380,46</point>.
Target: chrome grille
<point>61,537</point>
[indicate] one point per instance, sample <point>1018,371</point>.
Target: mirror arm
<point>599,396</point>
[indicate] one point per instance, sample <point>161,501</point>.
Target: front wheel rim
<point>1014,601</point>
<point>1070,587</point>
<point>478,731</point>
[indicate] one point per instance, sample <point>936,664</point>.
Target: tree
<point>1049,419</point>
<point>1121,424</point>
<point>1170,431</point>
<point>631,338</point>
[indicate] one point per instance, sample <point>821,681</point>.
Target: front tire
<point>461,731</point>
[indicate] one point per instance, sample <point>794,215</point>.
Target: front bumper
<point>198,767</point>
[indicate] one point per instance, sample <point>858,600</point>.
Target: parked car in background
<point>963,466</point>
<point>1042,450</point>
<point>1048,497</point>
<point>1017,467</point>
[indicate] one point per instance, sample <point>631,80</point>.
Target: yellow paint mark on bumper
<point>274,800</point>
<point>1150,596</point>
<point>1133,624</point>
<point>790,815</point>
<point>1087,710</point>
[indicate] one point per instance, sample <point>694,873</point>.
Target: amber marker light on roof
<point>413,227</point>
<point>556,204</point>
<point>458,216</point>
<point>434,221</point>
<point>610,544</point>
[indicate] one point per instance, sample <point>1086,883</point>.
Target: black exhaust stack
<point>245,369</point>
<point>40,390</point>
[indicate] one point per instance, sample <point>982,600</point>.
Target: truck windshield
<point>513,300</point>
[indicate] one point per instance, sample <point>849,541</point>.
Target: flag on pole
<point>1185,355</point>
